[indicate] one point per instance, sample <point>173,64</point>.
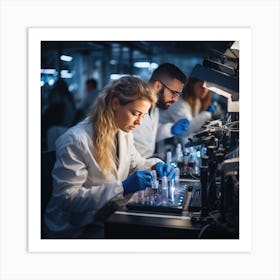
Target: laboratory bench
<point>126,223</point>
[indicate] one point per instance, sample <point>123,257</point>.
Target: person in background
<point>97,163</point>
<point>167,81</point>
<point>59,115</point>
<point>194,106</point>
<point>91,94</point>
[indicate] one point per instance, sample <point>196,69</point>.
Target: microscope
<point>215,202</point>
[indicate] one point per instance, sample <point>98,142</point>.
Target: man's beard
<point>160,102</point>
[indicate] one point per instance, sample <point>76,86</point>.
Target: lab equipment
<point>164,190</point>
<point>141,195</point>
<point>177,175</point>
<point>165,196</point>
<point>230,192</point>
<point>191,162</point>
<point>212,189</point>
<point>171,190</point>
<point>169,157</point>
<point>216,78</point>
<point>187,160</point>
<point>179,154</point>
<point>204,186</point>
<point>154,179</point>
<point>180,127</point>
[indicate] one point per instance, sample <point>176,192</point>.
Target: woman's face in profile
<point>199,89</point>
<point>128,116</point>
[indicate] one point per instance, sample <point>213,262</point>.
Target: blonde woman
<point>98,163</point>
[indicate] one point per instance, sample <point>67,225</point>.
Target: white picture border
<point>38,34</point>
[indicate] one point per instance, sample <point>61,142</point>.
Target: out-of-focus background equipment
<point>221,75</point>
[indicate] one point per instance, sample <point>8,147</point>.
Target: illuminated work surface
<point>136,224</point>
<point>133,223</point>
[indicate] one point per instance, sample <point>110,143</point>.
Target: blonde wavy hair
<point>127,89</point>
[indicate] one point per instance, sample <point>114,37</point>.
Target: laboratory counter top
<point>127,224</point>
<point>144,223</point>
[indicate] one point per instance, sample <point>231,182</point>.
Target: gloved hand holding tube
<point>139,180</point>
<point>180,127</point>
<point>212,107</point>
<point>164,169</point>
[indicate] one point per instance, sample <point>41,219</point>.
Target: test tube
<point>148,195</point>
<point>164,188</point>
<point>141,197</point>
<point>168,157</point>
<point>177,174</point>
<point>179,153</point>
<point>154,181</point>
<point>171,190</point>
<point>154,176</point>
<point>164,182</point>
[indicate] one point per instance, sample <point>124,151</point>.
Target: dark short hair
<point>169,70</point>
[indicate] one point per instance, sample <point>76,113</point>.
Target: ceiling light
<point>145,64</point>
<point>51,82</point>
<point>48,71</point>
<point>117,76</point>
<point>142,64</point>
<point>66,57</point>
<point>65,74</point>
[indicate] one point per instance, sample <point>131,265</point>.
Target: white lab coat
<point>182,109</point>
<point>79,189</point>
<point>149,132</point>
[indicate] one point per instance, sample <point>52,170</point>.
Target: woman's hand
<point>139,180</point>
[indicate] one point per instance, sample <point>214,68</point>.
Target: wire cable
<point>203,230</point>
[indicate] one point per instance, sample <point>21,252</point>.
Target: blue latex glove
<point>164,169</point>
<point>212,108</point>
<point>139,180</point>
<point>180,127</point>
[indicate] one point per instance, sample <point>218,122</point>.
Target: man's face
<point>167,93</point>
